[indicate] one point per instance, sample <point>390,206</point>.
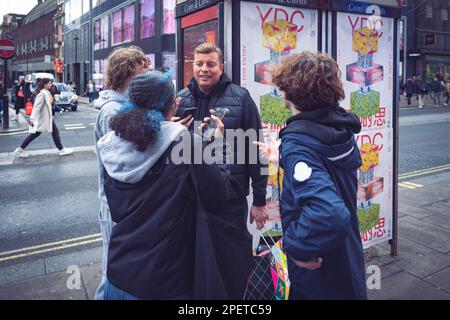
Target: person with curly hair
<point>122,65</point>
<point>153,244</point>
<point>320,159</point>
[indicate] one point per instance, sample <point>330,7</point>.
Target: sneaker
<point>65,151</point>
<point>21,153</point>
<point>420,107</point>
<point>61,111</point>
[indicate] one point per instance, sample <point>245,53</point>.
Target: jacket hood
<point>218,89</point>
<point>110,95</point>
<point>124,163</point>
<point>329,131</point>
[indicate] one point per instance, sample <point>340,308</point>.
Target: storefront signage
<point>192,6</point>
<point>366,8</point>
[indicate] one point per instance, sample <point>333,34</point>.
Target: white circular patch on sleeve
<point>302,172</point>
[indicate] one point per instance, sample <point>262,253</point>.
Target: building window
<point>128,24</point>
<point>169,16</point>
<point>85,6</point>
<point>123,25</point>
<point>97,3</point>
<point>147,18</point>
<point>169,62</point>
<point>444,14</point>
<point>101,31</point>
<point>428,11</point>
<point>151,56</point>
<point>67,16</point>
<point>117,27</point>
<point>99,69</point>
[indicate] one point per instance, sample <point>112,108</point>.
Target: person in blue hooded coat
<point>320,158</point>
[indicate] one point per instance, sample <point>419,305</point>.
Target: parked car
<point>67,99</point>
<point>39,75</point>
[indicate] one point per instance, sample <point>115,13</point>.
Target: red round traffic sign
<point>7,49</point>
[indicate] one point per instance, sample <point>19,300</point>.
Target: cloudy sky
<point>16,6</point>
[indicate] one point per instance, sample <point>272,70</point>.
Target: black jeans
<point>55,136</point>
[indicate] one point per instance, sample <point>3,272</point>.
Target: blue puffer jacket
<point>318,204</point>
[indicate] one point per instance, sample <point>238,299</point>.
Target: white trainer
<point>65,151</point>
<point>21,153</point>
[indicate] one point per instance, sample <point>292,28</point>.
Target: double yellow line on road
<point>418,173</point>
<point>49,247</point>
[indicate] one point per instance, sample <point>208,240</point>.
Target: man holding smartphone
<point>210,89</point>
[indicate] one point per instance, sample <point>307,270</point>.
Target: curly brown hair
<point>309,80</point>
<point>122,65</point>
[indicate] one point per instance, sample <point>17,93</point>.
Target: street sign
<point>7,49</point>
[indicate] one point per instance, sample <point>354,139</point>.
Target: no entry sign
<point>7,49</point>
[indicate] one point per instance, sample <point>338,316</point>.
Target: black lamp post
<point>76,47</point>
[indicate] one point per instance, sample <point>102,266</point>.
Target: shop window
<point>147,18</point>
<point>169,16</point>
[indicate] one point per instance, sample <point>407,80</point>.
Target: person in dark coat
<point>409,89</point>
<point>211,88</point>
<point>22,94</point>
<point>436,90</point>
<point>318,204</point>
<point>149,193</point>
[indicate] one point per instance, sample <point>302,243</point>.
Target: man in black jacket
<point>209,89</point>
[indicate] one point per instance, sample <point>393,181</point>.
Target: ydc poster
<point>365,56</point>
<point>269,33</point>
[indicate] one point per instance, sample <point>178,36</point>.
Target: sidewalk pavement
<point>15,125</point>
<point>420,271</point>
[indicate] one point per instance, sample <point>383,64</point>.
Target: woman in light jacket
<point>41,120</point>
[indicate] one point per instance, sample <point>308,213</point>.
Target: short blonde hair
<point>122,64</point>
<point>206,48</point>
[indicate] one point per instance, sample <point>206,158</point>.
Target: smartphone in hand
<point>210,128</point>
<point>189,111</point>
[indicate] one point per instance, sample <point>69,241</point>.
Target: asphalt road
<point>53,198</point>
<point>76,129</point>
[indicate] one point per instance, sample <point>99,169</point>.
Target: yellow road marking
<point>424,171</point>
<point>406,186</point>
<point>49,250</point>
<point>50,244</point>
<point>413,184</point>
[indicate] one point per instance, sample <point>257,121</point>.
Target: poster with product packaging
<point>270,32</point>
<point>365,51</point>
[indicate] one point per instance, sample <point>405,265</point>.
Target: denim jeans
<point>114,293</point>
<point>106,225</point>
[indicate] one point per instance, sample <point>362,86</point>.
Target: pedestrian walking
<point>90,90</point>
<point>152,246</point>
<point>320,159</point>
<point>420,90</point>
<point>447,91</point>
<point>123,65</point>
<point>211,88</point>
<point>409,90</point>
<point>22,94</point>
<point>41,120</point>
<point>436,89</point>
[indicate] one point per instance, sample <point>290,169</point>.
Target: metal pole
<point>5,96</point>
